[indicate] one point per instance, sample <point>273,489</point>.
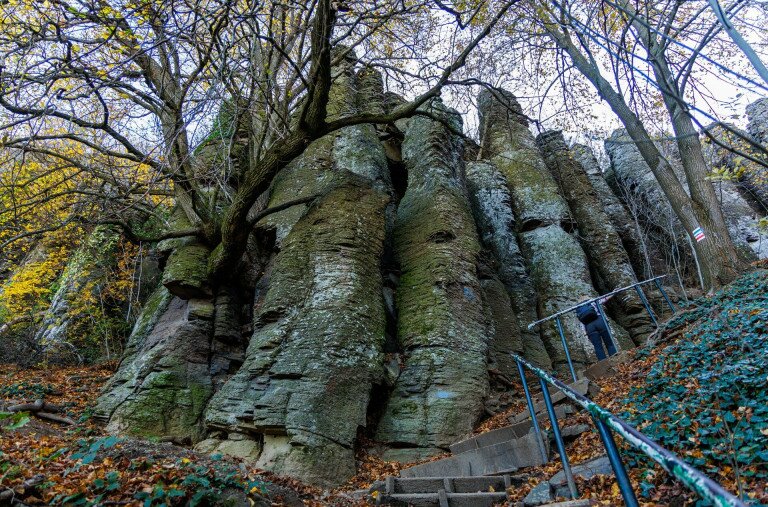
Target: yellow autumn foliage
<point>30,287</point>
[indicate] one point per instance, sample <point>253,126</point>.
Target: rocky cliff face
<point>83,279</point>
<point>441,329</point>
<point>627,225</point>
<point>631,177</point>
<point>609,261</point>
<point>544,224</point>
<point>378,306</point>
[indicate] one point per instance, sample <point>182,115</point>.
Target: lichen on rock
<point>315,355</point>
<point>507,142</point>
<point>441,327</point>
<point>492,208</point>
<point>163,382</point>
<point>642,254</point>
<point>556,262</point>
<point>609,261</point>
<point>83,278</point>
<point>316,349</point>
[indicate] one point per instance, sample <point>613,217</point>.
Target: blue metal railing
<point>605,422</point>
<point>637,286</point>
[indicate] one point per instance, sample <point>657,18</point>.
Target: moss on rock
<point>163,382</point>
<point>186,271</point>
<point>441,326</point>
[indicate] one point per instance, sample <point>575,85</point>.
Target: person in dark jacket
<point>596,328</point>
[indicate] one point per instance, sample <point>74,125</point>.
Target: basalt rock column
<point>181,346</point>
<point>635,178</point>
<point>641,255</point>
<point>632,180</point>
<point>441,327</point>
<point>755,176</point>
<point>757,113</point>
<point>610,262</point>
<point>741,205</point>
<point>492,208</point>
<point>315,354</point>
<point>163,382</point>
<point>83,278</point>
<point>556,261</point>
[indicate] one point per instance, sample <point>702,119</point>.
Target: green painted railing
<point>606,422</point>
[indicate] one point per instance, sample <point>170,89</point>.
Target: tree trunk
<point>703,201</point>
<point>716,254</point>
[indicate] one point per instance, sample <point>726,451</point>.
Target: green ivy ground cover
<point>706,397</point>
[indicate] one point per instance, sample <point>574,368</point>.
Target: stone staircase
<point>479,472</point>
<point>443,491</point>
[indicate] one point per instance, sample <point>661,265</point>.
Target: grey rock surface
<point>742,190</point>
<point>609,261</point>
<point>492,208</point>
<point>643,256</point>
<point>632,180</point>
<point>441,326</point>
<point>163,382</point>
<point>83,277</point>
<point>757,113</point>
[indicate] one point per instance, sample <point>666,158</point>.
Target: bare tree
<point>717,255</point>
<point>130,86</point>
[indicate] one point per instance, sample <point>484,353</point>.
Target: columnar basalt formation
<point>164,382</point>
<point>742,207</point>
<point>316,351</point>
<point>609,261</point>
<point>757,114</point>
<point>83,278</point>
<point>441,324</point>
<point>556,261</point>
<point>744,161</point>
<point>632,180</point>
<point>373,307</point>
<point>492,208</point>
<point>755,176</point>
<point>640,253</point>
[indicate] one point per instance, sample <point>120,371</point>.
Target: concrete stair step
<point>443,499</point>
<point>483,484</point>
<point>492,437</point>
<point>608,367</point>
<point>584,387</point>
<point>504,457</point>
<point>562,410</point>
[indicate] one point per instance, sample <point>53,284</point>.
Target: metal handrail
<point>598,298</point>
<point>638,288</point>
<point>605,421</point>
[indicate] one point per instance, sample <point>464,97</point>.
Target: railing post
<point>625,486</point>
<point>535,422</point>
<point>664,293</point>
<point>647,306</point>
<point>559,439</point>
<point>607,326</point>
<point>565,347</point>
